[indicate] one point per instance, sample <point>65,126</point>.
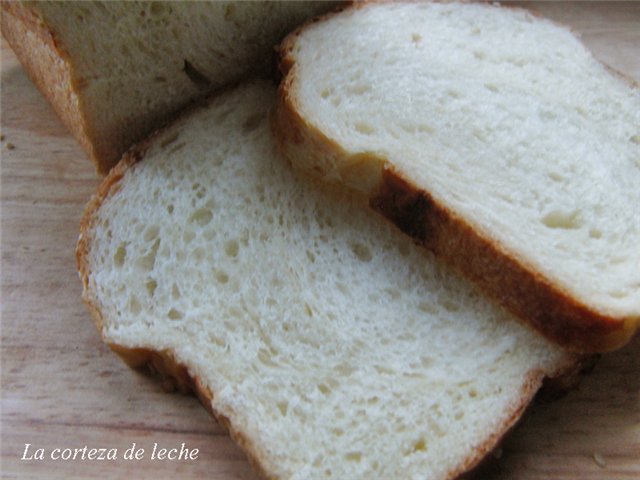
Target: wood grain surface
<point>62,388</point>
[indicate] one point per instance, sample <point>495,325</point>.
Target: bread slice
<point>114,71</point>
<point>491,136</point>
<point>328,344</point>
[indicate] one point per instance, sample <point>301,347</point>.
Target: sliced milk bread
<point>328,344</point>
<point>491,136</point>
<point>114,70</point>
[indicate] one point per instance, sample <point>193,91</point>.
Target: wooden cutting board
<point>62,388</point>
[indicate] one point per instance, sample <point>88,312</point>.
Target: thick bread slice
<point>114,71</point>
<point>491,136</point>
<point>329,344</point>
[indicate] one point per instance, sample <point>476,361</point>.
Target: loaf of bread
<point>491,136</point>
<point>328,344</point>
<point>114,71</point>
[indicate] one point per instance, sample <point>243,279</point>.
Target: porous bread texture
<point>483,131</point>
<point>114,71</point>
<point>329,344</point>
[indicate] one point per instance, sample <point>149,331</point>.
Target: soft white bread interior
<point>330,345</point>
<point>492,136</point>
<point>115,70</point>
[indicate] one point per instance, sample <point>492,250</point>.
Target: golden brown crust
<point>495,269</point>
<point>46,63</point>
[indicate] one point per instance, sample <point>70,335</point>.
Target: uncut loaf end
<point>115,71</point>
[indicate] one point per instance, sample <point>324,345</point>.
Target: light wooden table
<point>61,387</point>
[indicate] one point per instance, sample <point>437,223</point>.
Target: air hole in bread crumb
<point>147,262</point>
<point>450,306</point>
<point>283,407</point>
<point>383,370</point>
<point>635,139</point>
<point>491,87</point>
<point>170,209</point>
<point>353,456</point>
<point>556,177</point>
<point>428,308</point>
<point>365,128</point>
<point>413,129</point>
<point>324,389</point>
<point>151,233</point>
<point>151,287</point>
<point>416,37</point>
<point>198,254</point>
<point>221,277</point>
<point>265,358</point>
<point>358,89</point>
<point>547,115</point>
<point>426,362</point>
<point>134,305</point>
<point>174,314</point>
<point>595,233</point>
<point>362,251</point>
<point>175,292</point>
<point>420,446</point>
<point>202,216</point>
<point>231,248</point>
<point>308,310</point>
<point>617,294</point>
<point>188,235</point>
<point>581,111</point>
<point>617,260</point>
<point>564,220</point>
<point>120,255</point>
